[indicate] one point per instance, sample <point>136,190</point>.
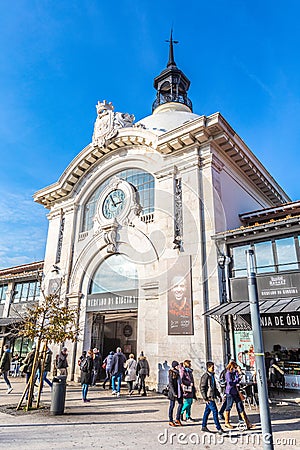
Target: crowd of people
<point>117,368</point>
<point>182,391</point>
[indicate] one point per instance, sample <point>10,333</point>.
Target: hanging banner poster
<point>180,306</point>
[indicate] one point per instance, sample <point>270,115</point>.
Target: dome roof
<point>167,117</point>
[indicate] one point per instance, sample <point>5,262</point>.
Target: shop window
<point>115,274</point>
<point>239,261</point>
<point>27,291</point>
<point>3,290</point>
<point>286,254</point>
<point>264,257</point>
<point>143,181</point>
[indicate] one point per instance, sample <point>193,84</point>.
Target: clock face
<point>113,204</point>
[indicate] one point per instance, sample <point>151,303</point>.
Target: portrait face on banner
<point>180,305</point>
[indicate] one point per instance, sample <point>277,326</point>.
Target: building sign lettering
<point>112,301</point>
<point>282,320</point>
<point>268,287</point>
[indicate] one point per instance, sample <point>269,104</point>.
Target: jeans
<point>5,376</point>
<point>45,379</point>
<point>187,404</point>
<point>171,408</point>
<point>94,376</point>
<point>142,385</point>
<point>211,407</point>
<point>117,376</point>
<point>85,388</point>
<point>107,378</point>
<point>223,407</point>
<point>234,399</point>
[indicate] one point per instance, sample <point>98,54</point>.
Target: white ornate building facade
<point>130,226</point>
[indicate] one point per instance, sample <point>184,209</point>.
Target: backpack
<point>84,365</point>
<point>222,379</point>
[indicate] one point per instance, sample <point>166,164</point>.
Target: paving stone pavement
<point>129,422</point>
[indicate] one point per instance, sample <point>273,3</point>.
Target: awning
<point>5,321</point>
<point>282,305</point>
<point>240,311</point>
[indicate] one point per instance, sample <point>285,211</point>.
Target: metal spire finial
<point>171,61</point>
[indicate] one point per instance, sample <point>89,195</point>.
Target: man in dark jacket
<point>86,368</point>
<point>209,392</point>
<point>117,370</point>
<point>143,371</point>
<point>5,366</point>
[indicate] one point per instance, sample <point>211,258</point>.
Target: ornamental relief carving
<point>108,122</point>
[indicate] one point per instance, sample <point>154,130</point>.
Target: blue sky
<point>57,59</point>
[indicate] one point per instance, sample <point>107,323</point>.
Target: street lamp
<point>261,378</point>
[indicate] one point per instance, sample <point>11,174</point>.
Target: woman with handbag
<point>188,388</point>
<point>233,377</point>
<point>130,372</point>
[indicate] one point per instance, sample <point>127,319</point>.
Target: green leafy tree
<point>48,322</point>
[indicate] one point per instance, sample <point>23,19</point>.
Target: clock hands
<point>113,202</point>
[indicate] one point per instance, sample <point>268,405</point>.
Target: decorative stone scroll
<point>108,122</point>
<point>178,218</point>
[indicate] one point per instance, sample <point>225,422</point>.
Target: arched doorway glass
<point>116,274</point>
<point>113,302</point>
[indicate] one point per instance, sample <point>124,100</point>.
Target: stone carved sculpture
<point>108,122</point>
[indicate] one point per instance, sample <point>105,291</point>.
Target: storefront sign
<point>280,320</point>
<point>292,381</point>
<point>268,286</point>
<point>109,301</point>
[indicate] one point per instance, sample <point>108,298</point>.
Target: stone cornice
<point>212,130</point>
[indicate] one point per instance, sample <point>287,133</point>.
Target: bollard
<point>58,395</point>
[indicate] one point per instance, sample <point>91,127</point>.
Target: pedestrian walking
<point>47,368</point>
<point>233,377</point>
<point>222,383</point>
<point>142,371</point>
<point>117,370</point>
<point>175,394</point>
<point>107,367</point>
<point>15,361</point>
<point>130,373</point>
<point>5,366</point>
<point>86,368</point>
<point>209,392</point>
<point>96,365</point>
<point>188,388</point>
<point>27,366</point>
<point>62,362</point>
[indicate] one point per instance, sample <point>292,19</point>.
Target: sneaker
<point>178,423</point>
<point>131,392</point>
<point>205,430</point>
<point>118,394</point>
<point>172,424</point>
<point>86,400</point>
<point>189,419</point>
<point>9,390</point>
<point>113,392</point>
<point>220,431</point>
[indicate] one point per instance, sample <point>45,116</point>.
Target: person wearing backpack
<point>86,368</point>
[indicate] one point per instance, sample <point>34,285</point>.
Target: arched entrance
<point>113,303</point>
